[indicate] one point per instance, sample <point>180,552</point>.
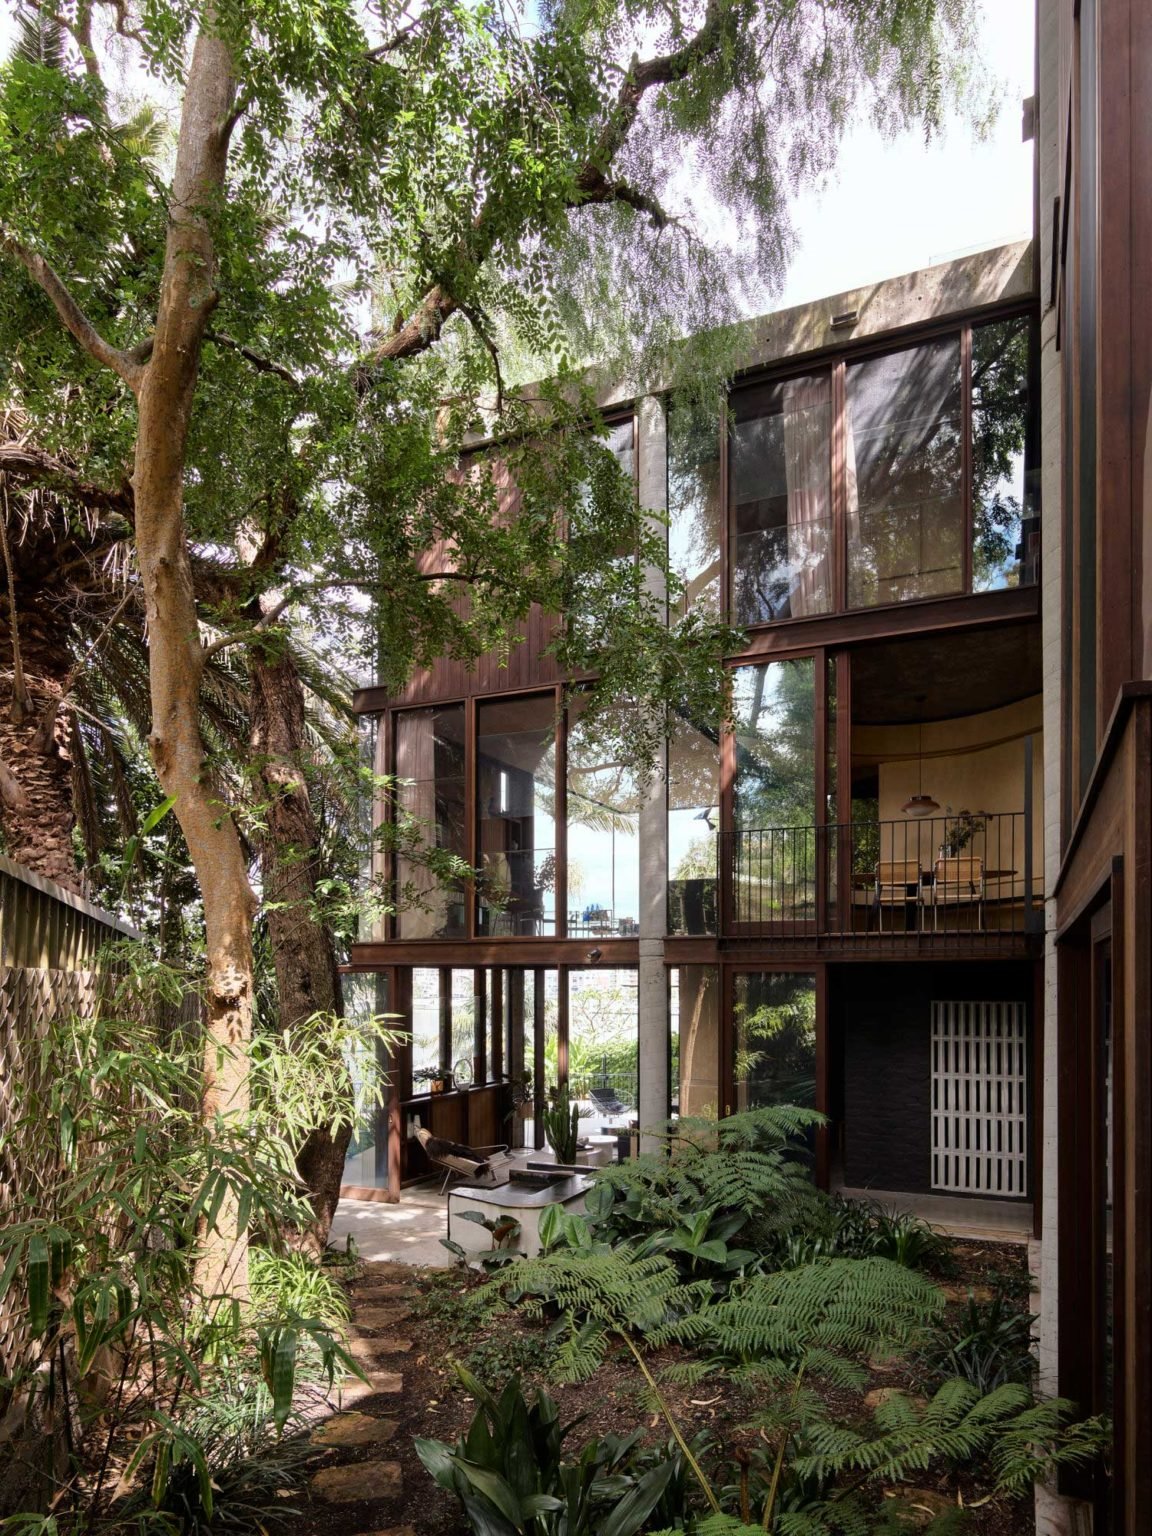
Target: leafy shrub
<point>753,1164</point>
<point>510,1472</point>
<point>180,1380</point>
<point>989,1344</point>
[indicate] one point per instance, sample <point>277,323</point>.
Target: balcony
<point>966,883</point>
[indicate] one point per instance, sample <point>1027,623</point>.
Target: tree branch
<point>259,362</point>
<point>73,317</point>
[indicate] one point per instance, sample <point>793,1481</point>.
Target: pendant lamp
<point>920,804</point>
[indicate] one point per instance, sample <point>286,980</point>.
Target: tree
<point>202,316</point>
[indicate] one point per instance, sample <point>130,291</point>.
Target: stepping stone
<point>384,1290</point>
<point>386,1269</point>
<point>367,1352</point>
<point>379,1382</point>
<point>357,1483</point>
<point>354,1429</point>
<point>393,1530</point>
<point>380,1317</point>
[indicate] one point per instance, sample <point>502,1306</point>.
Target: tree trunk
<point>176,656</point>
<point>307,977</point>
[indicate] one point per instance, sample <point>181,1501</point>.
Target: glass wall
<point>693,818</point>
<point>903,475</point>
<point>775,1038</point>
<point>429,759</point>
<point>425,1027</point>
<point>516,810</point>
<point>603,1045</point>
<point>695,508</point>
<point>694,1019</point>
<point>1005,520</point>
<point>774,811</point>
<point>603,834</point>
<point>366,1160</point>
<point>780,489</point>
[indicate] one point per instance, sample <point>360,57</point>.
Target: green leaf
<point>634,1508</point>
<point>283,1382</point>
<point>38,1271</point>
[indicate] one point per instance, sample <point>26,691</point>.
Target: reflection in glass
<point>603,833</point>
<point>516,800</point>
<point>694,506</point>
<point>780,469</point>
<point>775,792</point>
<point>693,817</point>
<point>695,1047</point>
<point>775,1021</point>
<point>1005,521</point>
<point>429,758</point>
<point>903,475</point>
<point>366,1160</point>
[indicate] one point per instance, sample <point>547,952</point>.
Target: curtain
<point>807,467</point>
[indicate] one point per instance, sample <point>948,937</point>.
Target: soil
<point>393,1494</point>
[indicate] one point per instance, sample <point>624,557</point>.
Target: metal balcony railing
<point>968,874</point>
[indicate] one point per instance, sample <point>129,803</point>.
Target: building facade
<point>791,912</point>
<point>912,887</point>
<point>1094,235</point>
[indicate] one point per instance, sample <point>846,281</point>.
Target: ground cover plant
<point>853,1393</point>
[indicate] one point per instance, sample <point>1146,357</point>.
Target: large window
<point>1005,520</point>
<point>904,475</point>
<point>603,833</point>
<point>775,1026</point>
<point>774,810</point>
<point>878,479</point>
<point>780,478</point>
<point>695,506</point>
<point>693,818</point>
<point>429,757</point>
<point>516,813</point>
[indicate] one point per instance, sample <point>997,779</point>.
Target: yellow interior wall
<point>975,763</point>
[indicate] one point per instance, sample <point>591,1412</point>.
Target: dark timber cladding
<point>1102,243</point>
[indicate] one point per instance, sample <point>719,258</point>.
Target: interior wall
<point>974,763</point>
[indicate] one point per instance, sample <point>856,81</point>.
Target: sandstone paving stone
<point>358,1482</point>
<point>354,1390</point>
<point>354,1429</point>
<point>380,1317</point>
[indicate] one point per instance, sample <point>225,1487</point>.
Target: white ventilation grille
<point>979,1099</point>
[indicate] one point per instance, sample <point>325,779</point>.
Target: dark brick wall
<point>881,1017</point>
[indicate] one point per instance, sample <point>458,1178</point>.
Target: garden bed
<point>443,1332</point>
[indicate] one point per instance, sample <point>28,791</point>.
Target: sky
<point>895,206</point>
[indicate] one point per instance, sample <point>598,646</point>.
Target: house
<point>913,886</point>
<point>840,902</point>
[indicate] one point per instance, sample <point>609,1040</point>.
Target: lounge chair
<point>606,1102</point>
<point>480,1165</point>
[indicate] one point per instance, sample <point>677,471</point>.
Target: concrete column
<point>652,988</point>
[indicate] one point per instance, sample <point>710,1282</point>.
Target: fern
<point>831,1307</point>
<point>1016,1439</point>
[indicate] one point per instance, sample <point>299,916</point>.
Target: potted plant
<point>561,1120</point>
<point>435,1079</point>
<point>960,828</point>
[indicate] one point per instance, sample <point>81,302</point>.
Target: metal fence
<point>947,876</point>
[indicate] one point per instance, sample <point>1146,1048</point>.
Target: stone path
<point>358,1483</point>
